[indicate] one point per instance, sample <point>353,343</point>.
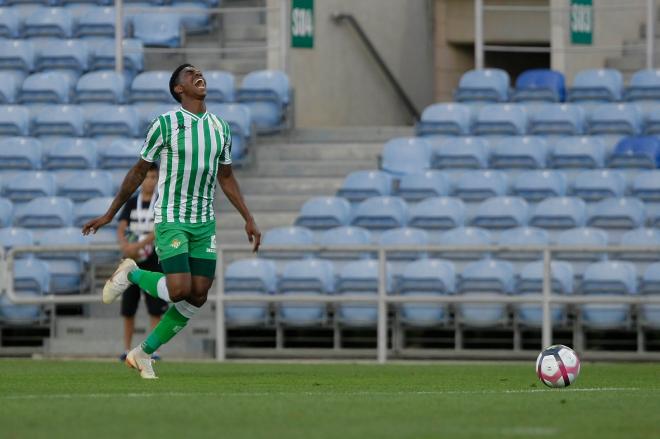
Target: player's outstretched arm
<point>231,189</point>
<point>132,181</point>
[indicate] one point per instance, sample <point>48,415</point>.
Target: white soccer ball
<point>558,366</point>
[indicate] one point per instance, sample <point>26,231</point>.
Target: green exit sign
<point>302,23</point>
<point>582,21</point>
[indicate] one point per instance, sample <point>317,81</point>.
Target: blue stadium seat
<point>65,268</point>
<point>107,120</point>
<point>488,85</point>
<point>501,213</point>
<point>360,185</point>
<point>644,86</point>
<point>10,23</point>
<point>522,237</point>
<point>646,186</point>
<point>149,111</point>
<point>71,153</point>
<point>309,276</point>
<point>54,87</point>
<point>621,119</point>
<point>640,237</point>
<point>559,213</point>
<point>17,55</point>
<point>99,22</point>
<point>11,237</point>
<point>465,237</point>
<point>83,185</point>
<point>652,120</point>
<point>557,120</point>
<point>195,18</point>
<point>485,276</point>
<point>240,123</point>
<point>10,85</point>
<point>416,187</point>
<point>59,120</point>
<point>324,213</point>
<point>344,236</point>
<point>582,237</point>
<point>220,85</point>
<point>651,279</point>
<point>28,185</point>
<point>359,277</point>
<point>599,85</point>
<point>445,119</point>
<point>530,281</point>
<point>291,236</point>
<point>22,314</point>
<point>120,154</point>
<point>253,276</point>
<point>437,213</point>
<point>608,277</point>
<point>6,212</point>
<point>21,153</point>
<point>45,212</point>
<point>49,22</point>
<point>462,152</point>
<point>501,119</point>
<point>267,93</point>
<point>519,152</point>
<point>542,85</point>
<point>105,86</point>
<point>618,213</point>
<point>426,277</point>
<point>404,236</point>
<point>31,275</point>
<point>406,155</point>
<point>159,30</point>
<point>380,213</point>
<point>152,86</point>
<point>578,152</point>
<point>538,185</point>
<point>598,184</point>
<point>104,236</point>
<point>636,152</point>
<point>91,209</point>
<point>103,57</point>
<point>70,55</point>
<point>479,185</point>
<point>14,120</point>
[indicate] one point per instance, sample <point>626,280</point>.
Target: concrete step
<point>265,220</point>
<point>266,203</point>
<point>367,134</point>
<point>256,185</point>
<point>244,32</point>
<point>241,66</point>
<point>312,168</point>
<point>320,151</point>
<point>245,49</point>
<point>630,63</point>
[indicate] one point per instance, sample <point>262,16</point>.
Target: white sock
<point>186,309</point>
<point>161,287</point>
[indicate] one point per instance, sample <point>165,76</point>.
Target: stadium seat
<point>105,86</point>
<point>582,237</point>
<point>107,120</point>
<point>608,277</point>
<point>25,186</point>
<point>559,213</point>
<point>220,85</point>
<point>309,276</point>
<point>480,185</point>
<point>71,153</point>
<point>49,22</point>
<point>11,237</point>
<point>240,123</point>
<point>599,85</point>
<point>252,276</point>
<point>148,112</point>
<point>488,85</point>
<point>652,120</point>
<point>152,86</point>
<point>618,213</point>
<point>72,55</point>
<point>465,237</point>
<point>291,236</point>
<point>10,23</point>
<point>640,237</point>
<point>426,277</point>
<point>359,277</point>
<point>445,119</point>
<point>120,154</point>
<point>404,236</point>
<point>596,185</point>
<point>438,213</point>
<point>578,152</point>
<point>620,119</point>
<point>6,212</point>
<point>83,185</point>
<point>322,213</point>
<point>104,236</point>
<point>54,87</point>
<point>59,120</point>
<point>381,213</point>
<point>20,153</point>
<point>14,120</point>
<point>646,186</point>
<point>10,85</point>
<point>195,18</point>
<point>462,152</point>
<point>99,22</point>
<point>522,237</point>
<point>519,152</point>
<point>485,276</point>
<point>540,85</point>
<point>501,213</point>
<point>642,152</point>
<point>650,282</point>
<point>65,267</point>
<point>416,187</point>
<point>26,284</point>
<point>267,94</point>
<point>538,185</point>
<point>406,155</point>
<point>360,185</point>
<point>44,212</point>
<point>159,30</point>
<point>557,120</point>
<point>344,236</point>
<point>91,209</point>
<point>644,86</point>
<point>530,281</point>
<point>501,119</point>
<point>17,55</point>
<point>103,56</point>
<point>31,275</point>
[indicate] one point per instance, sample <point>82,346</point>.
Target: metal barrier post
<point>546,333</point>
<point>284,33</point>
<point>650,34</point>
<point>119,36</point>
<point>220,329</point>
<point>478,34</point>
<point>382,307</point>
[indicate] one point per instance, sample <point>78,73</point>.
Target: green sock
<point>147,280</point>
<point>171,323</point>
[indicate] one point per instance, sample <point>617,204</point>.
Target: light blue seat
<point>344,236</point>
<point>461,152</point>
<point>480,185</point>
<point>608,277</point>
<point>538,185</point>
<point>640,152</point>
<point>646,186</point>
<point>644,86</point>
<point>640,237</point>
<point>71,153</point>
<point>195,19</point>
<point>359,277</point>
<point>578,152</point>
<point>103,55</point>
<point>99,22</point>
<point>557,120</point>
<point>618,213</point>
<point>120,154</point>
<point>251,276</point>
<point>10,85</point>
<point>501,119</point>
<point>152,86</point>
<point>30,280</point>
<point>45,212</point>
<point>404,236</point>
<point>381,213</point>
<point>501,213</point>
<point>652,120</point>
<point>83,185</point>
<point>220,85</point>
<point>291,236</point>
<point>104,236</point>
<point>522,237</point>
<point>465,237</point>
<point>311,277</point>
<point>598,184</point>
<point>406,155</point>
<point>27,185</point>
<point>59,120</point>
<point>530,281</point>
<point>105,86</point>
<point>622,119</point>
<point>17,55</point>
<point>159,30</point>
<point>107,120</point>
<point>426,277</point>
<point>11,237</point>
<point>240,123</point>
<point>20,153</point>
<point>582,237</point>
<point>519,152</point>
<point>559,213</point>
<point>49,22</point>
<point>6,212</point>
<point>70,55</point>
<point>267,93</point>
<point>323,213</point>
<point>149,111</point>
<point>360,185</point>
<point>65,268</point>
<point>485,276</point>
<point>54,87</point>
<point>91,209</point>
<point>599,85</point>
<point>14,120</point>
<point>651,279</point>
<point>10,23</point>
<point>487,85</point>
<point>540,85</point>
<point>416,187</point>
<point>445,119</point>
<point>438,213</point>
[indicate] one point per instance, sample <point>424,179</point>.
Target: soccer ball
<point>558,366</point>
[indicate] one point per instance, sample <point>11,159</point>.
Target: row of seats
<point>70,3</point>
<point>50,212</point>
<point>78,186</point>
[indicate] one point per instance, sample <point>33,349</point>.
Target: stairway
<point>633,57</point>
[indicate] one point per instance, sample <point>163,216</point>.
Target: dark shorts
<point>131,297</point>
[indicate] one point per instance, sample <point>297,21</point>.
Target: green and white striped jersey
<point>190,148</point>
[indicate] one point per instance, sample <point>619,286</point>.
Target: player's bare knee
<point>180,292</point>
<point>198,300</point>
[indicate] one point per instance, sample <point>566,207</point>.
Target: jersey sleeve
<point>153,144</point>
<point>225,157</point>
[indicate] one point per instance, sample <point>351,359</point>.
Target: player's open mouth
<point>200,83</point>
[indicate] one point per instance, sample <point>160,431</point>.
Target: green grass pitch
<point>79,399</point>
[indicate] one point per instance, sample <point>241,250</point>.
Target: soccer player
<point>194,148</point>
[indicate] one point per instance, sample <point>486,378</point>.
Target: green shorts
<point>186,247</point>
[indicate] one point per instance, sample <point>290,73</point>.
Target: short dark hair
<point>174,81</point>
